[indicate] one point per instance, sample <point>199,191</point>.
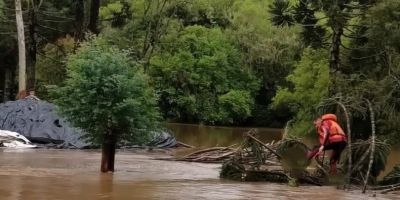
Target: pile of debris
<point>209,155</point>
<point>284,161</point>
<point>391,182</point>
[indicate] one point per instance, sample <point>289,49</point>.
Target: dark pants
<point>337,149</point>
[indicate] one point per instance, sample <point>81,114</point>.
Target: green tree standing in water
<point>108,97</point>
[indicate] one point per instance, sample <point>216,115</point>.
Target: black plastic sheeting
<point>158,139</point>
<point>163,139</point>
<point>37,121</point>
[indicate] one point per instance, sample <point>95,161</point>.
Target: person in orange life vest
<point>331,137</point>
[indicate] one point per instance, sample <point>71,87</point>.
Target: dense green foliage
<point>199,76</point>
<point>51,64</point>
<point>362,39</point>
<point>234,62</point>
<point>106,93</point>
<point>310,87</point>
<point>271,52</point>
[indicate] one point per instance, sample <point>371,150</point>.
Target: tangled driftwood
<point>210,155</point>
<point>284,161</point>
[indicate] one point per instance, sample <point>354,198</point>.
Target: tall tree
<point>337,13</point>
<point>79,20</point>
<point>94,16</point>
<point>200,78</point>
<point>336,18</point>
<point>21,47</point>
<point>32,41</point>
<point>108,97</point>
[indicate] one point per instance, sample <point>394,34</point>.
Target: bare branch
<point>371,158</point>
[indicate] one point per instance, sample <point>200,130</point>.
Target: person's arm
<point>325,139</point>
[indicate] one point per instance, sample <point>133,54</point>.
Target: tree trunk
<point>346,114</point>
<point>21,47</point>
<point>32,49</point>
<point>334,61</point>
<point>337,21</point>
<point>371,158</point>
<point>108,153</point>
<point>79,21</point>
<point>7,84</point>
<point>94,16</point>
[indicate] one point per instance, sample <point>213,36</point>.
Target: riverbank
<point>40,174</point>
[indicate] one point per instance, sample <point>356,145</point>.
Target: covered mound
<point>36,120</point>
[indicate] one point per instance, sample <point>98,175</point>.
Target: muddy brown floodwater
<point>41,174</point>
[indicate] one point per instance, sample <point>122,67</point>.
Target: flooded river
<point>41,174</point>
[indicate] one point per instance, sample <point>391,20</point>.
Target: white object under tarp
<point>11,139</point>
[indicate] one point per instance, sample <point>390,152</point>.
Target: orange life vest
<point>336,133</point>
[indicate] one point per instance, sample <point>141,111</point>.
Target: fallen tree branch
<point>184,145</point>
<point>211,150</point>
<point>267,147</point>
<point>394,188</point>
<point>384,187</point>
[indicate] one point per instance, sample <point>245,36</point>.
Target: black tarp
<point>163,139</point>
<point>36,120</point>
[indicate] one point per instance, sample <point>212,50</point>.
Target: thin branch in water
<point>393,188</point>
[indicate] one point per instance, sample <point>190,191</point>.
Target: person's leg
<point>337,148</point>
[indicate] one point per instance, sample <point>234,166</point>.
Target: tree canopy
<point>229,62</point>
<point>107,93</point>
<point>197,71</point>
